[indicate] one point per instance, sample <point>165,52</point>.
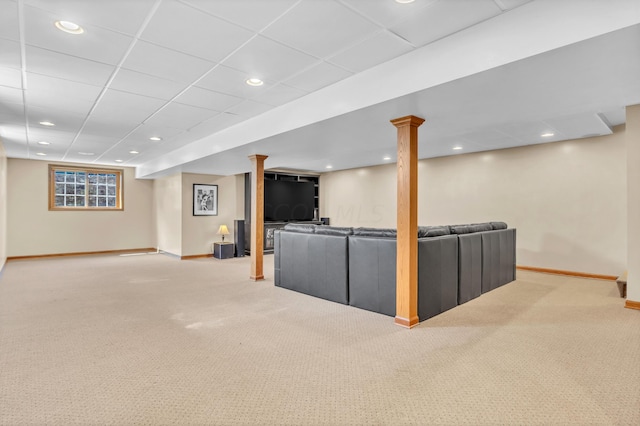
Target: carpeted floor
<point>152,340</point>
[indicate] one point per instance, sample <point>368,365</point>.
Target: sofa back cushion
<point>480,227</point>
<point>333,230</point>
<point>459,229</point>
<point>306,228</point>
<point>432,231</point>
<point>375,232</point>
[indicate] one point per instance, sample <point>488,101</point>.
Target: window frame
<point>53,168</point>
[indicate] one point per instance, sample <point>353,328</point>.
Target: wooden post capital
<point>258,157</point>
<point>409,120</point>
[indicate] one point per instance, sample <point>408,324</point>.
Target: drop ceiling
<point>486,74</point>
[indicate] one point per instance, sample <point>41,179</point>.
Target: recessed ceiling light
<point>255,82</point>
<point>44,143</point>
<point>405,1</point>
<point>41,153</point>
<point>155,138</point>
<point>47,123</point>
<point>547,135</point>
<point>134,152</point>
<point>457,148</point>
<point>387,158</point>
<point>86,153</point>
<point>69,27</point>
<point>118,161</point>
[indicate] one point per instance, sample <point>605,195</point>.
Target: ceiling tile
<point>318,77</point>
<point>10,95</point>
<point>58,140</point>
<point>510,4</point>
<point>15,137</point>
<point>96,140</point>
<point>380,48</point>
<point>180,116</point>
<point>138,108</point>
<point>183,28</point>
<point>444,18</point>
<point>230,81</point>
<point>252,14</point>
<point>280,94</point>
<point>248,109</point>
<point>147,130</point>
<point>63,120</point>
<point>387,13</point>
<point>10,54</point>
<point>124,16</point>
<point>305,27</point>
<point>67,67</point>
<point>165,63</point>
<point>10,77</point>
<point>580,125</point>
<point>268,60</point>
<point>11,119</point>
<point>51,92</point>
<point>203,98</point>
<point>96,44</point>
<point>146,85</point>
<point>8,24</point>
<point>102,126</point>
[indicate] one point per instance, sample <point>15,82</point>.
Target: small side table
<point>223,250</point>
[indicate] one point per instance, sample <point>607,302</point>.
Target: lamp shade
<point>223,230</point>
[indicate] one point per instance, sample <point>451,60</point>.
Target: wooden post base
<point>407,323</point>
<point>258,278</point>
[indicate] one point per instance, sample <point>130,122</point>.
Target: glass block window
<point>72,188</point>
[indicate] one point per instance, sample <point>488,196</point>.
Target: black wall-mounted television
<point>288,200</point>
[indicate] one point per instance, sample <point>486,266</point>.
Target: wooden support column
<point>632,135</point>
<point>407,248</point>
<point>257,216</point>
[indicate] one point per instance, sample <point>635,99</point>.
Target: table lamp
<point>223,230</point>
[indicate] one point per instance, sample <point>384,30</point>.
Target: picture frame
<point>205,200</point>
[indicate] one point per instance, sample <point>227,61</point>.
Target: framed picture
<point>205,200</point>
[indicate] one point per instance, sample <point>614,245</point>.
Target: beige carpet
<point>146,340</point>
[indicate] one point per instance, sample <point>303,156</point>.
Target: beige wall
<point>200,232</point>
<point>167,193</point>
<point>566,199</point>
<point>179,231</point>
<point>34,230</point>
<point>3,206</point>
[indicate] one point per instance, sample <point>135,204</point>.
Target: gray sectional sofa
<point>357,266</point>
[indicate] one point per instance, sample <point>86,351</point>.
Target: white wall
<point>566,199</point>
<point>168,213</point>
<point>34,230</point>
<point>3,206</point>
